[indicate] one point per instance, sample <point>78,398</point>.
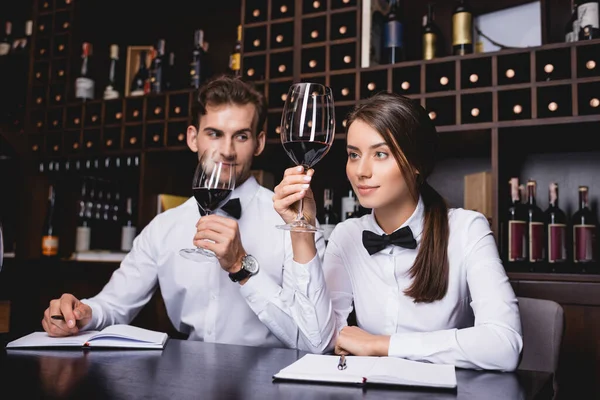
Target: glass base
<point>196,254</point>
<point>299,226</point>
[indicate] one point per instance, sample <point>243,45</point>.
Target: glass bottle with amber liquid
<point>49,236</point>
<point>584,230</point>
<point>517,226</point>
<point>462,29</point>
<point>556,228</point>
<point>235,58</point>
<point>431,35</point>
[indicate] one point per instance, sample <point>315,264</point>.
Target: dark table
<point>197,370</point>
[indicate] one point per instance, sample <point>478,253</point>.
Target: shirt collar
<point>415,221</point>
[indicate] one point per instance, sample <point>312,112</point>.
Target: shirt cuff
<point>259,290</point>
<point>309,277</point>
<point>96,315</point>
<point>419,345</point>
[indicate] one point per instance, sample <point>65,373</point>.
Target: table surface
<point>193,370</point>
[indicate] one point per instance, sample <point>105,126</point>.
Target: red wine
<point>584,230</point>
<point>517,225</point>
<point>304,152</point>
<point>556,228</point>
<point>535,222</point>
<point>211,199</point>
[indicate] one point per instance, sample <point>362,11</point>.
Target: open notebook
<point>369,370</point>
<point>123,336</point>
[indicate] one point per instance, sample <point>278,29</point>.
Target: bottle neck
<point>583,199</point>
<point>531,195</point>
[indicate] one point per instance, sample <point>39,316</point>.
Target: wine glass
<point>213,183</point>
<point>307,132</point>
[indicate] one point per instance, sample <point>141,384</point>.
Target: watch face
<point>250,264</point>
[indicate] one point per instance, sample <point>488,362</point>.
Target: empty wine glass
<point>307,132</point>
<point>213,183</point>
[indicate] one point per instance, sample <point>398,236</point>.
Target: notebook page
<point>324,368</point>
<point>407,372</point>
<point>42,339</point>
<point>132,333</point>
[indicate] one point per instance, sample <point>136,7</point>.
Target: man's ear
<point>192,135</point>
<point>261,139</point>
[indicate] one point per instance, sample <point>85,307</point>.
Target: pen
<point>60,317</point>
<point>342,362</point>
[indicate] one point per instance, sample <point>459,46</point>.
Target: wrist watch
<point>249,268</point>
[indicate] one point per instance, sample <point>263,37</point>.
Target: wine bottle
<point>430,34</point>
<point>329,219</point>
<point>6,41</point>
<point>197,60</point>
<point>83,232</point>
<point>572,35</point>
<point>517,225</point>
<point>535,225</point>
<point>169,73</point>
<point>49,236</point>
<point>394,34</point>
<point>348,203</point>
<point>140,80</point>
<point>156,68</point>
<point>128,229</point>
<point>462,29</point>
<point>235,58</point>
<point>587,13</point>
<point>84,84</point>
<point>556,228</point>
<point>111,92</point>
<point>584,230</point>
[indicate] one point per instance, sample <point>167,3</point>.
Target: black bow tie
<point>232,207</point>
<point>402,237</point>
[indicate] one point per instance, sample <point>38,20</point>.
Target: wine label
<point>557,243</point>
<point>49,245</point>
<point>235,62</point>
<point>536,241</point>
<point>327,229</point>
<point>429,46</point>
<point>584,243</point>
<point>517,241</point>
<point>587,14</point>
<point>110,93</point>
<point>4,48</point>
<point>393,34</point>
<point>462,23</point>
<point>84,88</point>
<point>127,236</point>
<point>82,238</point>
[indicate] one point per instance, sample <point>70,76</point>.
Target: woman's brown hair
<point>413,140</point>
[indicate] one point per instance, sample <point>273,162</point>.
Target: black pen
<point>342,362</point>
<point>59,317</point>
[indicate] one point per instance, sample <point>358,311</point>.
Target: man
<point>241,296</point>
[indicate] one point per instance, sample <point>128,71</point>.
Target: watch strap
<point>239,276</point>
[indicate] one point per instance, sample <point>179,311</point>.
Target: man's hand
<point>353,340</point>
<point>225,234</point>
<point>76,315</point>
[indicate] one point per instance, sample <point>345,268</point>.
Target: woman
<point>426,282</point>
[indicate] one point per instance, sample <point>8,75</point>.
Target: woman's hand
<point>294,186</point>
<point>353,340</point>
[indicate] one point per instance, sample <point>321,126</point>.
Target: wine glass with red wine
<point>307,132</point>
<point>213,183</point>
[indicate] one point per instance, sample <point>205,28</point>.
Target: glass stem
<point>300,216</point>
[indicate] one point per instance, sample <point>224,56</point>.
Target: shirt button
<point>209,332</point>
<point>213,297</point>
